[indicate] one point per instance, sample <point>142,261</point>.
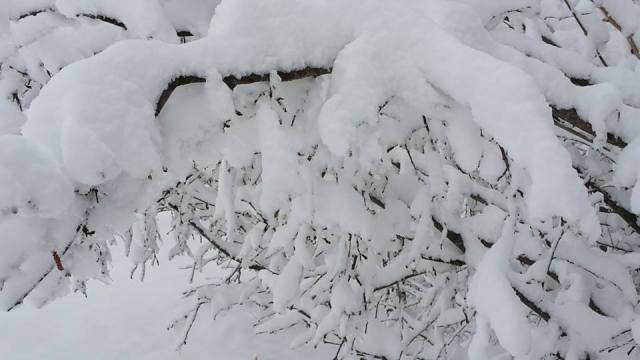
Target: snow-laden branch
<point>448,51</point>
<point>361,165</point>
<point>232,81</point>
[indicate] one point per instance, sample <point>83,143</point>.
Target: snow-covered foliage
<point>410,179</point>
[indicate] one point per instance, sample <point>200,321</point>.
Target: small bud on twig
<point>58,261</point>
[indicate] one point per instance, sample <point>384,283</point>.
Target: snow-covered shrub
<point>412,179</point>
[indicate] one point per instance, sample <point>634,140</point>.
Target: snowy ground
<point>128,320</point>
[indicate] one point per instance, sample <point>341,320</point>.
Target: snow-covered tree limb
<point>411,179</point>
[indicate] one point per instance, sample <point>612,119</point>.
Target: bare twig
<point>632,44</point>
<point>191,320</point>
<point>584,30</point>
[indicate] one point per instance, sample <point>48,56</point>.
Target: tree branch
<point>632,44</point>
<point>584,30</point>
<point>54,265</point>
<point>628,217</point>
<point>106,19</point>
<point>233,81</point>
<point>531,305</point>
<point>222,249</point>
<point>571,117</point>
<point>454,237</point>
<point>34,13</point>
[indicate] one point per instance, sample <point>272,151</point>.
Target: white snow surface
<point>437,115</point>
<point>128,319</point>
<point>82,121</point>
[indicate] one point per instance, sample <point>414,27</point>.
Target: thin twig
<point>584,30</point>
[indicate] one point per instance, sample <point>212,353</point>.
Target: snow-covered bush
<point>411,179</point>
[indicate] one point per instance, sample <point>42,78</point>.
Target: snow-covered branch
<point>413,179</point>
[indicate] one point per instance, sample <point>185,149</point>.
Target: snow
<point>22,190</point>
<point>29,29</point>
<point>465,140</point>
<point>128,319</point>
<point>524,127</point>
<point>190,15</point>
<point>144,18</point>
<point>635,329</point>
<point>496,301</point>
<point>627,172</point>
<point>20,7</point>
<point>599,265</point>
<point>201,111</point>
<point>428,196</point>
<point>593,331</point>
<point>488,223</point>
<point>62,46</point>
<point>11,119</point>
<point>287,286</point>
<point>279,160</point>
<point>597,112</point>
<point>624,11</point>
<point>89,141</point>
